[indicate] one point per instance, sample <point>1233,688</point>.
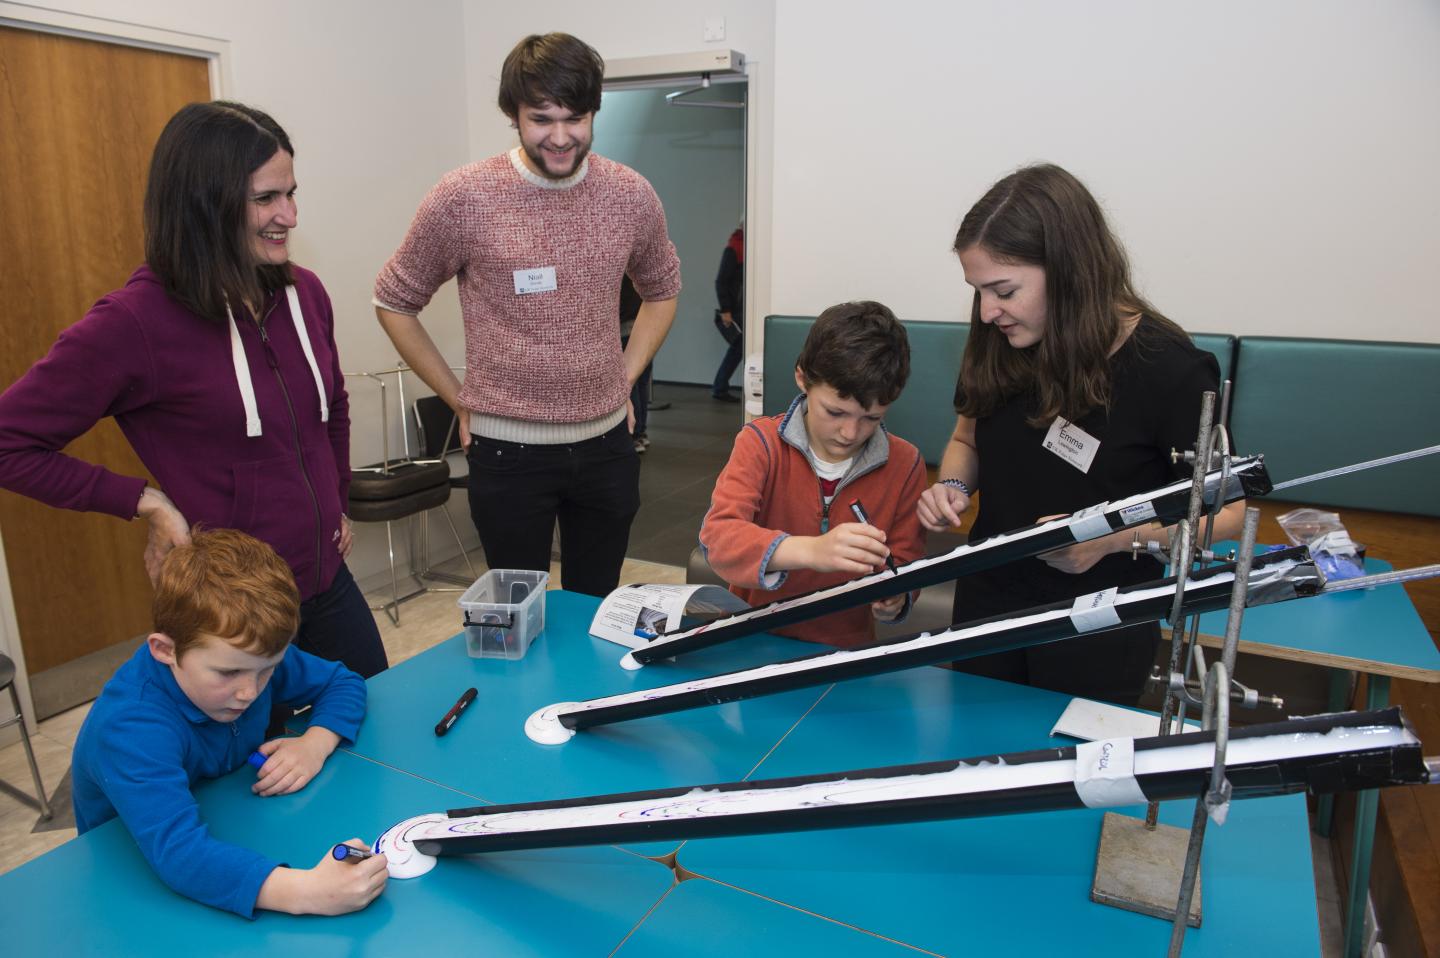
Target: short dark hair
<point>858,349</point>
<point>196,235</point>
<point>551,68</point>
<point>230,585</point>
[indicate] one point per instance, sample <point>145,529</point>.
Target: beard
<point>538,159</point>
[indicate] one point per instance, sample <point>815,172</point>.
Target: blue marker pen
<point>349,853</point>
<point>256,759</point>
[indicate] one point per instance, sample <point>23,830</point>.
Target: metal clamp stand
<point>1138,863</point>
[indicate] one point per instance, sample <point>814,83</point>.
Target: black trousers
<point>518,491</point>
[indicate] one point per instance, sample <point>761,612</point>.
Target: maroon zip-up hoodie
<point>167,377</point>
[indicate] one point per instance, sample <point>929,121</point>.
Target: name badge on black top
<point>1071,443</point>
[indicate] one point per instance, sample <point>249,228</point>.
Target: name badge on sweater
<point>540,280</point>
<point>1071,443</point>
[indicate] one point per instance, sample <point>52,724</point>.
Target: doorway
<point>693,153</point>
<point>80,118</point>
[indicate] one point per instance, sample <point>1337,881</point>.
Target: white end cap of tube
<point>629,663</point>
<point>402,860</point>
<point>543,725</point>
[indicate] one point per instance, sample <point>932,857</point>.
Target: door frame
<point>216,52</point>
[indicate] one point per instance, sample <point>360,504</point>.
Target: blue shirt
<point>145,744</point>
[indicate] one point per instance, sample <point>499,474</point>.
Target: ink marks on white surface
<point>539,280</point>
<point>402,860</point>
<point>1105,773</point>
<point>1071,443</point>
<point>543,725</point>
<point>1095,611</point>
<point>1090,522</point>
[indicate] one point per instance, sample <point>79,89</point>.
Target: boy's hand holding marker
<point>333,887</point>
<point>289,764</point>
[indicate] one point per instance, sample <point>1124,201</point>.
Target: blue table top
<point>120,907</point>
<point>1015,884</point>
<point>1006,884</point>
<point>1375,630</point>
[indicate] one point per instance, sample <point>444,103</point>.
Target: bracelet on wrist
<point>958,484</point>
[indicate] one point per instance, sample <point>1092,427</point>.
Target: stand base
<point>1139,870</point>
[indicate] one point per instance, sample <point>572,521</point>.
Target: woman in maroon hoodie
<point>217,359</point>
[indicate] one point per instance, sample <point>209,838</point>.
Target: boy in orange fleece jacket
<point>780,521</point>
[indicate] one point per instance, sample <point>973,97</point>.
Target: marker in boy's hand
<point>333,887</point>
<point>849,547</point>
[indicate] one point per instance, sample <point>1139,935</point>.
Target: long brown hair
<point>196,200</point>
<point>1043,216</point>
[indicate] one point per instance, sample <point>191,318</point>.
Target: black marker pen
<point>455,711</point>
<point>861,517</point>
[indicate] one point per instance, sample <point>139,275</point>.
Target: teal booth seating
<point>1315,404</point>
<point>925,411</point>
<point>1307,404</point>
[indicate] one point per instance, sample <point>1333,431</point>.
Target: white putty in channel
<point>701,803</point>
<point>551,713</point>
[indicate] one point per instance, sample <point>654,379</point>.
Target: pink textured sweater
<point>551,357</point>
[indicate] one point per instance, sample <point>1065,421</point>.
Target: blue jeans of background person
<point>728,365</point>
<point>337,625</point>
<point>518,491</point>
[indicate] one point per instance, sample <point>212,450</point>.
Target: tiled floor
<point>690,442</point>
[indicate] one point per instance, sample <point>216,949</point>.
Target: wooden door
<point>80,118</point>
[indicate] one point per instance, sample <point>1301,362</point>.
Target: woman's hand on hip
<point>168,528</point>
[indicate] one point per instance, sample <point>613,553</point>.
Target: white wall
<point>376,105</point>
<point>1271,166</point>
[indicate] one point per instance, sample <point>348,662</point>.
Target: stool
<point>7,681</point>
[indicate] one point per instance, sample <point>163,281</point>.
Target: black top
<point>1156,385</point>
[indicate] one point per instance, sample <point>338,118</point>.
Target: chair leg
<point>428,573</point>
<point>45,812</point>
<point>393,608</point>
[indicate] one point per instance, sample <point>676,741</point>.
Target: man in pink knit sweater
<point>539,239</point>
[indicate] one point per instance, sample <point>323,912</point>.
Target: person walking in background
<point>730,318</point>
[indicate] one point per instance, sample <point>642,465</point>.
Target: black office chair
<point>400,487</point>
<point>7,681</point>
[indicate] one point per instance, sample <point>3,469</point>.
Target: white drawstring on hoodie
<point>242,367</point>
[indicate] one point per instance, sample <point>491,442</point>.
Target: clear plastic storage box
<point>504,612</point>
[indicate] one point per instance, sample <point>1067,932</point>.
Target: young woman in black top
<point>1073,390</point>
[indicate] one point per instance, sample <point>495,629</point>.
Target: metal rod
<point>1180,560</point>
<point>1217,719</point>
<point>1358,467</point>
<point>1382,578</point>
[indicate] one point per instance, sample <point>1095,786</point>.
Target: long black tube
<point>1381,751</point>
<point>1276,576</point>
<point>1247,478</point>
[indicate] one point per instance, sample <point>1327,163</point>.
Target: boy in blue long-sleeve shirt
<point>193,703</point>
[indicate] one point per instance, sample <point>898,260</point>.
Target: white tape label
<point>1105,773</point>
<point>1090,522</point>
<point>1137,513</point>
<point>1095,611</point>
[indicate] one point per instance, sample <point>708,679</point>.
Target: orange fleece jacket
<point>769,490</point>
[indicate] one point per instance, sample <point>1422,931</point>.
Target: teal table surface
<point>700,918</point>
<point>487,755</point>
<point>1004,884</point>
<point>1369,630</point>
<point>1010,884</point>
<point>95,895</point>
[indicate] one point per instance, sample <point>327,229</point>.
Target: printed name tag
<point>1071,443</point>
<point>540,280</point>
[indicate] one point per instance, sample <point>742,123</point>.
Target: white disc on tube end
<point>544,726</point>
